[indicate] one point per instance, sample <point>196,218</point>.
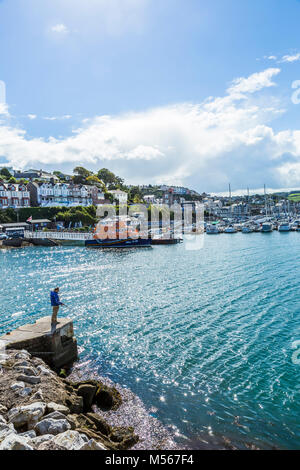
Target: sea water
<point>206,338</point>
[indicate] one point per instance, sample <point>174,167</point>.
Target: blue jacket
<point>55,299</point>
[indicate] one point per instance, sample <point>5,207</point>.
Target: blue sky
<point>149,88</point>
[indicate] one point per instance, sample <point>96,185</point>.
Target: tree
<point>135,195</point>
<point>109,178</point>
<point>5,173</point>
<point>12,180</point>
<point>80,171</point>
<point>93,179</point>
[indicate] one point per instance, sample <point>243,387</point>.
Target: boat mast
<point>266,204</point>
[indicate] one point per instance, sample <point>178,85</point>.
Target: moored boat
<point>230,229</point>
<point>212,229</point>
<point>267,227</point>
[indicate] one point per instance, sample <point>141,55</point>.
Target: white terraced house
<point>59,194</point>
<point>13,195</point>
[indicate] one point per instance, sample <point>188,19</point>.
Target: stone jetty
<point>57,347</point>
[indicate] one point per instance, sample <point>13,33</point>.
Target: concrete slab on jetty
<point>56,346</point>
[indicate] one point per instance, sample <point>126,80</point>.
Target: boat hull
<point>163,241</point>
<point>126,243</point>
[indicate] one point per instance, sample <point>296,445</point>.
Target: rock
<point>25,355</point>
<point>28,434</point>
<point>5,430</point>
<point>24,392</point>
<point>29,379</point>
<point>104,399</point>
<point>27,415</point>
<point>29,371</point>
<point>42,370</point>
<point>55,415</point>
<point>38,396</point>
<point>2,420</point>
<point>76,405</point>
<point>87,392</point>
<point>71,440</point>
<point>92,445</point>
<point>100,423</point>
<point>36,441</point>
<point>50,445</point>
<point>52,426</point>
<point>21,364</point>
<point>108,398</point>
<point>15,442</point>
<point>56,407</point>
<point>3,409</point>
<point>17,386</point>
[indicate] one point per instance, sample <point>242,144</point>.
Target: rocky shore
<point>41,411</point>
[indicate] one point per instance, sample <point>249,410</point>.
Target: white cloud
<point>57,118</point>
<point>254,83</point>
<point>60,28</point>
<point>203,145</point>
<point>291,58</point>
<point>31,116</point>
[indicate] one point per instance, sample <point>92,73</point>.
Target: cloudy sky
<point>190,92</point>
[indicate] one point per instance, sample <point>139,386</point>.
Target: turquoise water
<point>203,337</point>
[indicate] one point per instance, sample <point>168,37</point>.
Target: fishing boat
<point>114,234</point>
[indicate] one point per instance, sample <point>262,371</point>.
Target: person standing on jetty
<point>55,302</point>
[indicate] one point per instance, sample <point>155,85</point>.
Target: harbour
<point>177,351</point>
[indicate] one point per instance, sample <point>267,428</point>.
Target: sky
<point>187,92</point>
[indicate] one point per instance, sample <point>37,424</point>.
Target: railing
<point>59,235</point>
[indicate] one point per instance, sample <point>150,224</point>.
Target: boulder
<point>2,420</point>
<point>100,423</point>
<point>28,434</point>
<point>52,426</point>
<point>27,415</point>
<point>21,364</point>
<point>27,371</point>
<point>3,409</point>
<point>23,354</point>
<point>108,398</point>
<point>44,371</point>
<point>51,407</point>
<point>30,379</point>
<point>36,441</point>
<point>87,392</point>
<point>5,430</point>
<point>15,442</point>
<point>92,445</point>
<point>75,404</point>
<point>17,386</point>
<point>24,392</point>
<point>37,396</point>
<point>71,440</point>
<point>50,445</point>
